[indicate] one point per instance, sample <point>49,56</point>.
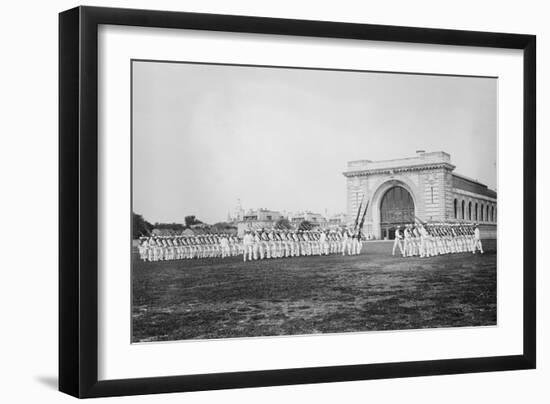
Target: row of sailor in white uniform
<point>262,244</point>
<point>431,239</point>
<point>255,245</point>
<point>165,248</point>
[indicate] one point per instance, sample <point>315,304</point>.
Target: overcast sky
<point>205,136</point>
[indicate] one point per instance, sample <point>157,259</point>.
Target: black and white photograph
<point>276,200</point>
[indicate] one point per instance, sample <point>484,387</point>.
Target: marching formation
<point>411,240</point>
<point>431,239</point>
<point>419,239</point>
<point>165,248</point>
<point>262,244</point>
<point>255,245</point>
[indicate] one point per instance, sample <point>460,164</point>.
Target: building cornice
<point>393,170</point>
<point>473,195</point>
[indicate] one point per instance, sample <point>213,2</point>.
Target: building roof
<point>467,184</point>
<point>421,161</point>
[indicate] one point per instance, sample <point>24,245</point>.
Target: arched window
<point>475,213</point>
<point>456,209</point>
<point>492,213</point>
<point>481,213</point>
<point>487,213</point>
<point>463,206</point>
<point>469,210</point>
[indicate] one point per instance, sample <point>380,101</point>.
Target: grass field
<point>215,298</point>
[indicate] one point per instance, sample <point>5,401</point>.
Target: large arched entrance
<point>396,208</point>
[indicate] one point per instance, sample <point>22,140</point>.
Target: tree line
<point>141,227</point>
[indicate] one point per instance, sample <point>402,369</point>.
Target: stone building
<point>314,218</point>
<point>255,219</point>
<point>425,186</point>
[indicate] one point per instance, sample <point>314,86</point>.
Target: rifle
<point>358,213</point>
<point>421,222</point>
<point>363,217</point>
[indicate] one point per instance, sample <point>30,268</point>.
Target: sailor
<point>300,248</point>
<point>158,249</point>
<point>176,245</point>
<point>150,249</point>
<point>285,244</point>
<point>142,248</point>
<point>323,243</point>
<point>210,246</point>
<point>317,248</point>
<point>271,245</point>
<point>352,242</point>
<point>407,243</point>
<point>161,243</point>
<point>224,246</point>
<point>424,248</point>
<point>234,245</point>
<point>345,242</point>
<point>183,247</point>
<point>477,240</point>
<point>397,241</point>
<point>441,239</point>
<point>204,246</point>
<point>169,248</point>
<point>257,245</point>
<point>193,247</point>
<point>306,246</point>
<point>358,242</point>
<point>331,240</point>
<point>315,245</point>
<point>201,247</point>
<point>445,239</point>
<point>473,232</point>
<point>454,239</point>
<point>280,242</point>
<point>338,240</point>
<point>263,246</point>
<point>248,246</point>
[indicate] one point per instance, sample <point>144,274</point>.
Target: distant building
<point>198,230</point>
<point>256,219</point>
<point>337,219</point>
<point>262,215</point>
<point>424,186</point>
<point>313,218</point>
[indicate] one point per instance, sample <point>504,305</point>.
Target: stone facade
<point>436,190</point>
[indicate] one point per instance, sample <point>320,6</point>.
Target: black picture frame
<point>78,201</point>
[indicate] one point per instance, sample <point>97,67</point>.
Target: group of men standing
<point>267,244</point>
<point>255,245</point>
<point>165,248</point>
<point>431,239</point>
<point>419,239</point>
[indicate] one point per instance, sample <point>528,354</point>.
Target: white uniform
<point>224,246</point>
<point>397,242</point>
<point>345,241</point>
<point>477,242</point>
<point>323,243</point>
<point>424,242</point>
<point>248,246</point>
<point>407,243</point>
